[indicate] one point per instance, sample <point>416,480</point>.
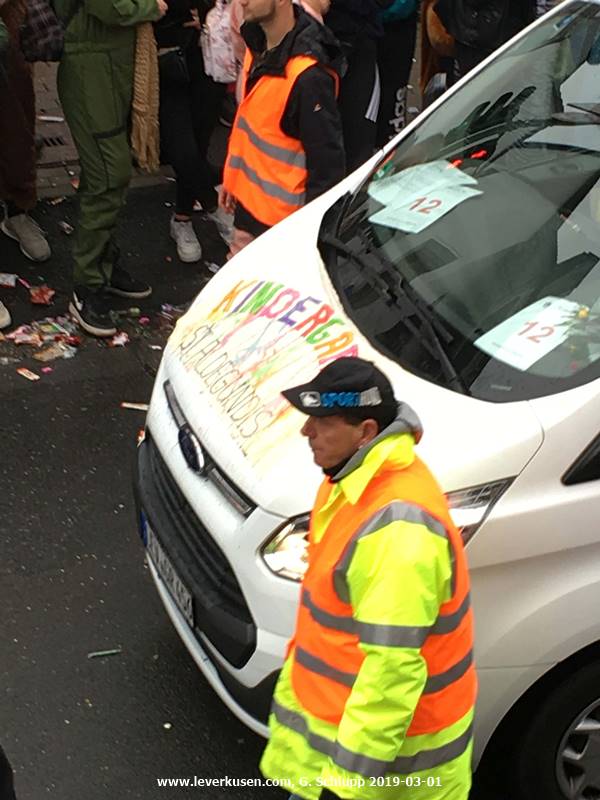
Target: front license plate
<point>178,590</point>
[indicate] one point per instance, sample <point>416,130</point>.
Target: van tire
<point>535,754</point>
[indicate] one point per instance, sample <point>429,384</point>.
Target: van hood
<point>271,319</point>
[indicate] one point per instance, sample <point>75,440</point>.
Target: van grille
<point>221,480</point>
<point>220,610</point>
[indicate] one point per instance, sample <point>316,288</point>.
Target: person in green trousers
<point>95,86</point>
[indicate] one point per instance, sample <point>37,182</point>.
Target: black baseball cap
<point>350,385</point>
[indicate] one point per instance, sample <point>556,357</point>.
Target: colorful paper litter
<point>27,373</point>
<point>8,280</point>
<point>41,295</point>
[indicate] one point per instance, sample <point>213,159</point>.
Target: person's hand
<point>226,200</point>
<point>162,7</point>
<point>195,20</point>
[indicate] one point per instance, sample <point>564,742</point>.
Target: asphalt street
<point>72,573</point>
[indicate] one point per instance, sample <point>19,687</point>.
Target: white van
<point>464,261</point>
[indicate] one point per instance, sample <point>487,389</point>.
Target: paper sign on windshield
<point>530,334</point>
<point>419,196</point>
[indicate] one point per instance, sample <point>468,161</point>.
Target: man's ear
<point>370,430</point>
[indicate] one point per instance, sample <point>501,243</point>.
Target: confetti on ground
<point>103,653</point>
<point>120,339</point>
<point>41,295</point>
<point>66,227</point>
<point>25,334</point>
<point>27,373</point>
<point>49,353</point>
<point>132,312</point>
<point>8,280</point>
<point>59,349</point>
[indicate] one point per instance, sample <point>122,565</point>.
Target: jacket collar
<point>394,446</point>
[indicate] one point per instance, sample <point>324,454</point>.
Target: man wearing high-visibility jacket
<point>376,697</point>
<point>286,144</point>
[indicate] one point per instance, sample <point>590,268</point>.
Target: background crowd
<point>204,58</point>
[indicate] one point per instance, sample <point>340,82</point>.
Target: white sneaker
<point>30,236</point>
<point>224,223</point>
<point>184,235</point>
<point>4,316</point>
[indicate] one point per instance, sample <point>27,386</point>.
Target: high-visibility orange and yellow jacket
<point>376,697</point>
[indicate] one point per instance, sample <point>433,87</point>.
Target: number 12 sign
<point>417,212</point>
<point>418,196</point>
<point>532,333</point>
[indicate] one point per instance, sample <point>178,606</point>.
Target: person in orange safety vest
<point>286,144</point>
<point>376,697</point>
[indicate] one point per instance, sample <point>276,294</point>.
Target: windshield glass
<point>471,255</point>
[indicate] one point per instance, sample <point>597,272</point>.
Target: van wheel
<point>558,756</point>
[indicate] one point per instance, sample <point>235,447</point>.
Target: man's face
<point>334,440</point>
<point>258,10</point>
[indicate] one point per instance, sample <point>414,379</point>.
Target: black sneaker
<point>125,285</point>
<point>92,312</point>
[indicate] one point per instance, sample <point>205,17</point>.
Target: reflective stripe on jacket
<point>379,683</point>
<point>266,169</point>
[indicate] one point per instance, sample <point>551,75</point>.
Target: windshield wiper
<point>391,283</point>
<point>588,108</point>
<point>578,117</point>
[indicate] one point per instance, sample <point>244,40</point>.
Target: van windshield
<point>471,255</point>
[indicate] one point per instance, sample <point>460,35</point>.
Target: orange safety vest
<point>266,169</point>
<point>326,653</point>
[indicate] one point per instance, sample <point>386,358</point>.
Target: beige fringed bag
<point>145,134</point>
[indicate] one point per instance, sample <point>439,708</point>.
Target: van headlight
<point>469,507</point>
<point>286,554</point>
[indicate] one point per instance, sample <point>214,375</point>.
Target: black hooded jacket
<point>311,114</point>
<point>350,19</point>
<point>485,24</point>
<point>169,30</point>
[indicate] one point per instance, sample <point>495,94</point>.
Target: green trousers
<point>95,90</point>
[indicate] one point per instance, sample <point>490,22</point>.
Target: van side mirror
<point>586,467</point>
